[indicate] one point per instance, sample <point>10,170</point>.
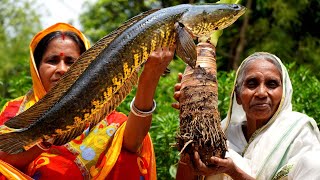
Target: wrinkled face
<point>61,53</point>
<point>261,91</point>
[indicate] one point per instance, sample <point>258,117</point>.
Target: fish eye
<point>236,6</point>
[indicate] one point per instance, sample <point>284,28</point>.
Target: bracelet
<point>140,113</point>
<point>44,147</point>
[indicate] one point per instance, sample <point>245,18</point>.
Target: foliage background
<point>288,28</point>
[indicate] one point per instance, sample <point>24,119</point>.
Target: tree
<point>102,17</point>
<point>289,29</point>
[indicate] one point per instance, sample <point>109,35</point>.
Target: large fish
<point>104,75</point>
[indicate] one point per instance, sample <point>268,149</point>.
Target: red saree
<point>65,162</point>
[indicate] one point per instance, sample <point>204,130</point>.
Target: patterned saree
<point>96,154</point>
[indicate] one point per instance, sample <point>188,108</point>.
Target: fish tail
<point>14,142</point>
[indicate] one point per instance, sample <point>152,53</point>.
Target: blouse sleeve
<point>10,109</point>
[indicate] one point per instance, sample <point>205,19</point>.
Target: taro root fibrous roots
<point>200,128</point>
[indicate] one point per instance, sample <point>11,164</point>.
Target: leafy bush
<point>306,91</point>
<point>17,84</point>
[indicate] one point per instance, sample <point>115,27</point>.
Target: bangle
<point>140,113</point>
<point>44,147</point>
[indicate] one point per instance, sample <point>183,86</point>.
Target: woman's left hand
<point>149,78</point>
<point>177,92</point>
<point>198,167</point>
<point>218,166</point>
<point>158,61</point>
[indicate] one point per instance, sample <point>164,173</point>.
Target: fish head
<point>202,20</point>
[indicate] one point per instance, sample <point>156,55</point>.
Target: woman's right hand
<point>218,166</point>
<point>197,167</point>
<point>176,94</point>
<point>190,168</point>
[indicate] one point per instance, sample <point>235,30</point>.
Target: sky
<point>60,11</point>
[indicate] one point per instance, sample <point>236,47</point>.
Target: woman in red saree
<point>119,147</point>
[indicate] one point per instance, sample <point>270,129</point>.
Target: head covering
<point>38,89</point>
<point>268,146</point>
<point>236,113</point>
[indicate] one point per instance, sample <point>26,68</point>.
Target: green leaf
<point>173,171</point>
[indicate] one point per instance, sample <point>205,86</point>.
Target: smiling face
<point>60,54</point>
<point>261,91</point>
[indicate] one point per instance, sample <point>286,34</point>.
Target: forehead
<point>62,40</point>
<point>62,44</point>
<point>262,66</point>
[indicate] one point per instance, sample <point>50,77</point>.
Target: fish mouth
<point>241,9</point>
<point>241,12</point>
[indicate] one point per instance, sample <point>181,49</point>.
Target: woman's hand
<point>176,94</point>
<point>157,62</point>
<point>219,165</point>
<point>149,78</point>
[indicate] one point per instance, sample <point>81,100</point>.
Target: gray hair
<point>254,57</point>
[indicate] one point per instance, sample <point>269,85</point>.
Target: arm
<point>138,127</point>
<point>21,160</point>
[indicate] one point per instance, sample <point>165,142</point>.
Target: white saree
<point>287,147</point>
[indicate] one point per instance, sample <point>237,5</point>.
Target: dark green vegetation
<point>289,29</point>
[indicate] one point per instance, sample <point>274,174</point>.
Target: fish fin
<point>94,119</point>
<point>15,142</point>
<point>135,19</point>
<point>31,115</point>
<point>185,48</point>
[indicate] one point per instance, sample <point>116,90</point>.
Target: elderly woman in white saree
<point>266,139</point>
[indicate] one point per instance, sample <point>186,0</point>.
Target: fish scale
<point>103,76</point>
